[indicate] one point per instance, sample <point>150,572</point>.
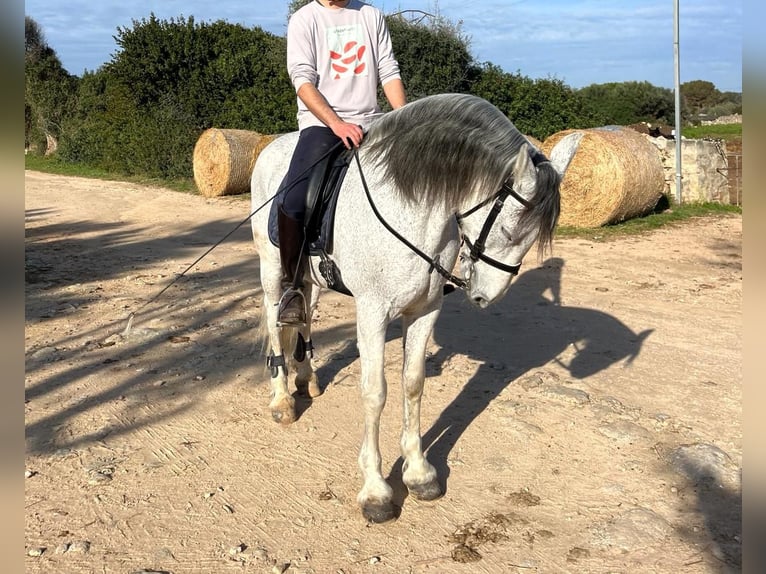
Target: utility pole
<point>678,100</point>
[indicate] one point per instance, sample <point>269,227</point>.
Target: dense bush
<point>49,91</point>
<point>628,103</point>
<point>433,56</point>
<point>538,108</point>
<point>142,112</point>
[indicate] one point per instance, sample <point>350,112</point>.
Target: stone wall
<point>732,119</point>
<point>703,169</point>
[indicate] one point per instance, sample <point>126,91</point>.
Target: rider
<point>337,51</point>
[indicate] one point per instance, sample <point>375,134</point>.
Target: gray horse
<point>445,177</point>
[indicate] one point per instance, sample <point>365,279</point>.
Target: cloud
<point>580,42</point>
<point>606,41</point>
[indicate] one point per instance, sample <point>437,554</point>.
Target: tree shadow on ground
<point>174,354</point>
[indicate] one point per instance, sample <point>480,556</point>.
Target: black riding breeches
<point>313,143</point>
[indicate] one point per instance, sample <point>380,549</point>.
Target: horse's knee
<point>374,399</point>
<point>413,387</point>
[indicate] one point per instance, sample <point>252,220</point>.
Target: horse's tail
<point>262,332</point>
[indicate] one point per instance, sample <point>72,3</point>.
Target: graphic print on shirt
<point>347,51</point>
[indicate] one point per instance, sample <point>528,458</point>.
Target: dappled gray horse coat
<point>423,165</point>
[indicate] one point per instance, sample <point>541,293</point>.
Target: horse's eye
<point>508,234</point>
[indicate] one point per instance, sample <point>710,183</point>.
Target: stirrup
<point>285,304</point>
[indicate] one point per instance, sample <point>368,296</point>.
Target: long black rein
<point>477,248</point>
<point>432,261</point>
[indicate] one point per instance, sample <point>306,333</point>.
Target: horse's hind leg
<point>306,381</point>
<point>418,474</point>
<point>375,496</point>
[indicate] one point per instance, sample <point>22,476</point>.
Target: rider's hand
<point>349,134</point>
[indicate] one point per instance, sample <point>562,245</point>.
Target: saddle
<point>325,181</point>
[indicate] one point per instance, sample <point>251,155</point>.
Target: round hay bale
<point>535,142</point>
<point>616,174</point>
<point>223,160</point>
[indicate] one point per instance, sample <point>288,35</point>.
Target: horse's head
<point>499,232</point>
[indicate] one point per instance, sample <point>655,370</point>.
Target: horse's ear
<point>523,162</point>
<point>563,152</point>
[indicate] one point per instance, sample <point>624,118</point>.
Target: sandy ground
<point>589,422</point>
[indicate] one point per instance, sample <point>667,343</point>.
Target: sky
<point>577,42</point>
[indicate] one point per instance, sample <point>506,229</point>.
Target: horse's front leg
<point>419,475</point>
<point>306,381</point>
<point>282,403</point>
<point>375,496</point>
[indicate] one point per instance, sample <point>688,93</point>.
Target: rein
<point>132,315</point>
<point>477,248</point>
<point>433,261</point>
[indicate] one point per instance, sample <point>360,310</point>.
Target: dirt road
<point>589,422</point>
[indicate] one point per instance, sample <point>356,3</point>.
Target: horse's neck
<point>419,222</point>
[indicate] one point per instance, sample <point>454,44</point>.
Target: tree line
<point>142,112</point>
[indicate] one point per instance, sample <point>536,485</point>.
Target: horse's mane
<point>442,148</point>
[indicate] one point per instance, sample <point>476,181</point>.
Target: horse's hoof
<point>283,416</point>
<point>379,512</point>
<point>427,491</point>
<point>310,388</point>
<point>283,411</point>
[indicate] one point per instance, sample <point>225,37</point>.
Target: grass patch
<point>53,164</point>
<point>639,225</point>
<point>722,131</point>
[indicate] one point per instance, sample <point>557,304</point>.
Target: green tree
<point>626,103</point>
<point>211,70</point>
<point>34,38</point>
<point>704,101</point>
<point>433,55</point>
<point>537,108</point>
<point>48,90</point>
<point>144,110</point>
<point>700,94</point>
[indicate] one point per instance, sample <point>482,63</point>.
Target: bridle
<point>476,248</point>
<point>476,252</point>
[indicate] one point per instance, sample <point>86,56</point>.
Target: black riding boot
<point>292,305</point>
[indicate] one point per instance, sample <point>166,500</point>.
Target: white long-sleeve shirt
<point>344,53</point>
